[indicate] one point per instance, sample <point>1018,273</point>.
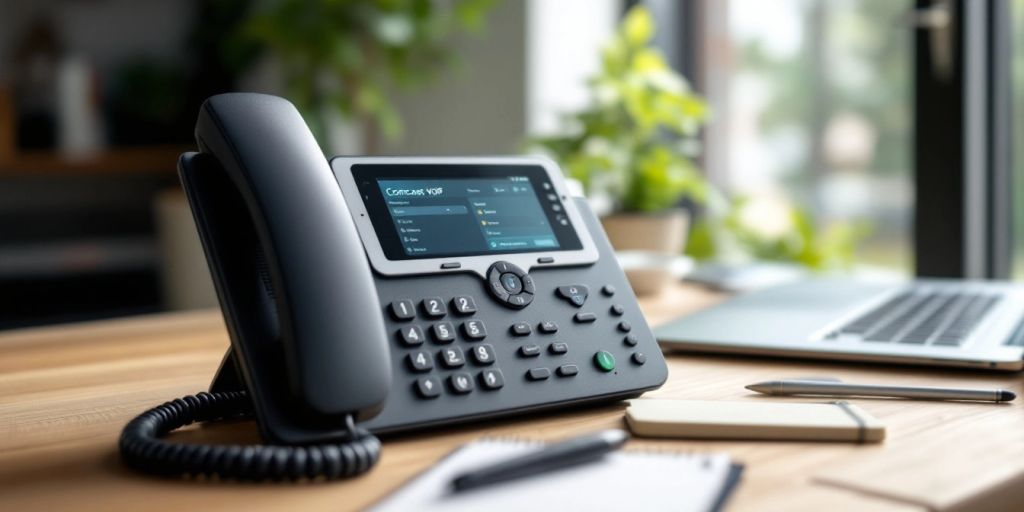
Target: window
<point>814,104</point>
<point>1017,77</point>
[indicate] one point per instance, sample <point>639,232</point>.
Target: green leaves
<point>767,228</point>
<point>638,27</point>
<point>344,54</point>
<point>632,140</point>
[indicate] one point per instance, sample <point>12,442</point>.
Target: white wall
<point>528,68</point>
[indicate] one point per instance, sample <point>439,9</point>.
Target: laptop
<point>941,322</point>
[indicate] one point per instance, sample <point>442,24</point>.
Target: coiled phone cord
<point>142,448</point>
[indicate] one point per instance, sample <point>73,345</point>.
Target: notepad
<point>623,480</point>
<point>753,419</point>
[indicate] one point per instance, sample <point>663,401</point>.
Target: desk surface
<point>65,393</point>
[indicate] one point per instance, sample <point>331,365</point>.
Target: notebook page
<point>621,481</point>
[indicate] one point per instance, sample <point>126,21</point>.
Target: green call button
<point>604,360</point>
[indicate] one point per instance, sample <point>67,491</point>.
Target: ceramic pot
<point>661,232</point>
<point>658,237</point>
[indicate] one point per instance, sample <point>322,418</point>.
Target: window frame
<point>962,153</point>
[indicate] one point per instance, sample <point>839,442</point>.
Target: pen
<point>556,456</point>
<point>807,387</point>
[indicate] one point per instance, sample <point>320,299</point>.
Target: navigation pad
<point>510,284</point>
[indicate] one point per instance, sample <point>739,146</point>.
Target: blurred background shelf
<point>156,159</point>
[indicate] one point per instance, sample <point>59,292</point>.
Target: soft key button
<point>576,294</point>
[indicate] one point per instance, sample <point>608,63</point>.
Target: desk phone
<point>376,295</point>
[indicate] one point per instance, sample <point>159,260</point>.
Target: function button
<point>568,370</point>
<point>464,305</point>
<point>444,332</point>
<point>511,282</point>
<point>547,327</point>
<point>402,310</point>
<point>584,318</point>
<point>451,265</point>
<point>520,300</point>
<point>639,358</point>
<point>411,336</point>
<point>461,382</point>
<point>576,294</point>
<point>474,329</point>
<point>492,379</point>
<point>630,340</point>
<point>420,361</point>
<point>624,326</point>
<point>617,309</point>
<point>558,348</point>
<point>452,357</point>
<point>506,283</point>
<point>528,285</point>
<point>434,307</point>
<point>545,259</point>
<point>604,360</point>
<point>497,290</point>
<point>529,350</point>
<point>521,329</point>
<point>608,290</point>
<point>483,354</point>
<point>538,374</point>
<point>428,387</point>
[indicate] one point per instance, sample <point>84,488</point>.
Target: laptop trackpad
<point>788,313</point>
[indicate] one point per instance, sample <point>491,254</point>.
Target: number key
<point>428,387</point>
<point>402,310</point>
<point>483,354</point>
<point>461,382</point>
<point>434,307</point>
<point>474,329</point>
<point>492,379</point>
<point>444,332</point>
<point>412,335</point>
<point>452,357</point>
<point>464,305</point>
<point>421,361</point>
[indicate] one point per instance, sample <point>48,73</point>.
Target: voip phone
<point>372,295</point>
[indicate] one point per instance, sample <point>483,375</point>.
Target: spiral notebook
<point>624,480</point>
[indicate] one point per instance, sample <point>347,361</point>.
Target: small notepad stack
<point>753,419</point>
<point>621,481</point>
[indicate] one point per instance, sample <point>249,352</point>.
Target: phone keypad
<point>465,365</point>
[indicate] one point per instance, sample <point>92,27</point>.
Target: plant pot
<point>661,232</point>
<point>661,236</point>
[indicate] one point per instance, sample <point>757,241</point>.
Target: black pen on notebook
<point>835,388</point>
<point>559,455</point>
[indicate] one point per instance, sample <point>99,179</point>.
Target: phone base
<point>228,376</point>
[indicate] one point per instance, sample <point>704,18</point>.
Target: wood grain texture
<point>65,393</point>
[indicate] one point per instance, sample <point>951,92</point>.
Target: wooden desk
<point>65,393</point>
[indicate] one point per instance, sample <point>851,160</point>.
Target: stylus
<point>808,387</point>
<point>560,455</point>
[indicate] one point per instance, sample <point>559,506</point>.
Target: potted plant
<point>341,60</point>
<point>632,148</point>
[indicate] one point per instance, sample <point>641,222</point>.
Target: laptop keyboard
<point>921,318</point>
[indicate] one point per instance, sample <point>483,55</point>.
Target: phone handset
<point>298,298</point>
